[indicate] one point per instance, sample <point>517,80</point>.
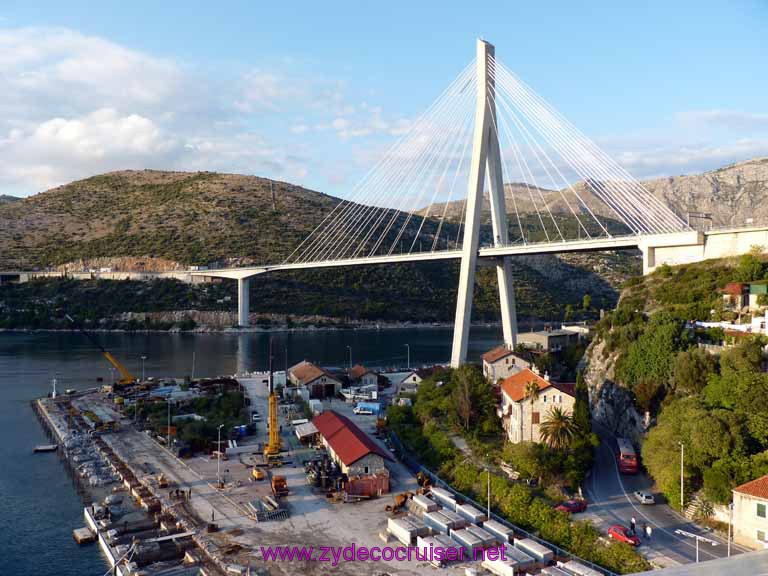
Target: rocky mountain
<point>732,195</point>
<point>192,218</point>
<point>5,199</point>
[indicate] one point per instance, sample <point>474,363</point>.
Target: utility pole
<point>143,358</point>
<point>286,360</point>
<point>730,522</point>
<point>350,357</point>
<point>489,492</point>
<point>682,489</point>
<point>168,402</point>
<point>218,459</point>
<point>697,549</point>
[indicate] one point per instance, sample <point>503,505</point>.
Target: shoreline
<point>255,329</point>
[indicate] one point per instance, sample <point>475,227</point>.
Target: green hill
<point>165,220</point>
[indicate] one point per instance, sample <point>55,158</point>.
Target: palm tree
<point>558,429</point>
<point>531,392</point>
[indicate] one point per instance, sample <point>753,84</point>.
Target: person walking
<point>648,531</point>
<point>633,524</point>
<point>644,530</point>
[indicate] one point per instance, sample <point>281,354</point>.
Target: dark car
<point>623,534</point>
<point>572,506</point>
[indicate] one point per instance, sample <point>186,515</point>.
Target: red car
<point>572,506</point>
<point>622,534</point>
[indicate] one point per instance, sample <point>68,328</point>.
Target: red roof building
<point>750,513</point>
<point>358,456</point>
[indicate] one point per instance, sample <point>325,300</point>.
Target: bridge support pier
<point>486,163</point>
<point>243,302</point>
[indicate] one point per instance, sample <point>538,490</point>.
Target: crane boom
<point>273,445</point>
<point>125,376</point>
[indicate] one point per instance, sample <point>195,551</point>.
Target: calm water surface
<point>39,506</point>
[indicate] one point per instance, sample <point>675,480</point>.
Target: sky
<point>314,93</point>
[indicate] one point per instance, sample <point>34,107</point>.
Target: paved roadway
<point>611,501</point>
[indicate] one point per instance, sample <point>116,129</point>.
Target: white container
<point>498,567</point>
<point>424,503</point>
<point>554,571</point>
<point>470,513</point>
<point>466,540</point>
<point>444,497</point>
<point>437,521</point>
<point>577,568</point>
<point>533,548</point>
<point>401,530</point>
<point>502,533</point>
<point>486,538</point>
<point>424,544</point>
<point>417,524</point>
<point>517,557</point>
<point>456,520</point>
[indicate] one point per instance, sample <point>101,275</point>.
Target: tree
<point>690,371</point>
<point>568,312</point>
<point>557,431</point>
<point>586,302</point>
<point>581,416</point>
<point>750,268</point>
<point>531,392</point>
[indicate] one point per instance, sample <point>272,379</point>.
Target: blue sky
<point>313,92</point>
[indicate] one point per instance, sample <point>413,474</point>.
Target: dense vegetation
<point>461,404</point>
<point>716,406</point>
<point>180,219</point>
<point>423,292</point>
<point>228,409</point>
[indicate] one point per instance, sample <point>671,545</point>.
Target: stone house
<point>750,513</point>
<point>358,456</point>
<point>501,362</point>
<point>521,418</point>
<point>548,340</point>
<point>319,382</point>
<point>359,375</point>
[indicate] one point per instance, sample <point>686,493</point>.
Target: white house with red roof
<point>501,362</point>
<point>521,415</point>
<point>750,513</point>
<point>358,456</point>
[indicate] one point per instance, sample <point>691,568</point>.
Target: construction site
<point>165,502</point>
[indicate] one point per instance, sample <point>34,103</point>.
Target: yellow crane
<point>125,376</point>
<point>272,449</point>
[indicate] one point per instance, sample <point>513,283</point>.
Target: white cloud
<point>62,149</point>
<point>729,119</point>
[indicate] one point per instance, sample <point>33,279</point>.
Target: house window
<point>761,536</point>
<point>366,470</point>
<point>544,399</point>
<point>760,510</point>
<point>535,418</point>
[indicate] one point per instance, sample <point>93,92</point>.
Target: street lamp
<point>682,489</point>
<point>350,357</point>
<point>487,471</point>
<point>730,522</point>
<point>168,441</point>
<point>218,458</point>
<point>408,351</point>
<point>143,358</point>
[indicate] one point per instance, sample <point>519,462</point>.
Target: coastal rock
<point>611,404</point>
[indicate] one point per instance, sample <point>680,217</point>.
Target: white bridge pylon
<point>485,165</point>
<point>492,131</point>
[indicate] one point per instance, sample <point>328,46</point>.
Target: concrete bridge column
<point>243,303</point>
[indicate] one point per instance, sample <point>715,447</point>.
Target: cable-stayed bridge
<point>488,138</point>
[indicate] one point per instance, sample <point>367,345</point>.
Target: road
<point>611,501</point>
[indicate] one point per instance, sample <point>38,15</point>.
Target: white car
<point>645,497</point>
<point>366,411</point>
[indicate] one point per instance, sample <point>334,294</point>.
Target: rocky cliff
<point>611,405</point>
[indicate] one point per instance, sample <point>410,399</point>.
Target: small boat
<point>46,448</point>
